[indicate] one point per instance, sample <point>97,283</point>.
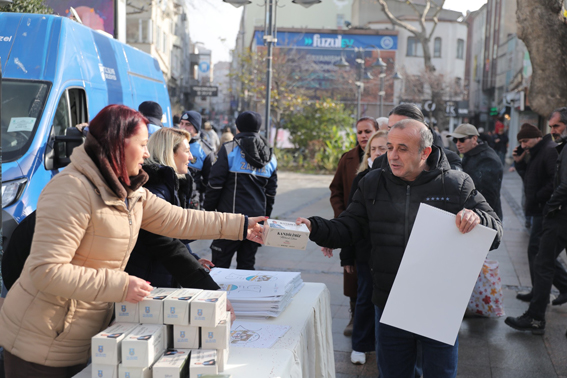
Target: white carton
<point>203,362</point>
<point>284,234</point>
<point>186,337</point>
<point>222,358</point>
<point>126,312</point>
<point>208,308</point>
<point>105,346</point>
<point>216,337</point>
<point>176,307</point>
<point>151,307</point>
<point>104,371</point>
<point>143,345</point>
<point>173,364</point>
<point>134,372</point>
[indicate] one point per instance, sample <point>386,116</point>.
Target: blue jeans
<point>363,322</point>
<point>397,353</point>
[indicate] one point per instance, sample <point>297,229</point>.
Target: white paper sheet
<point>254,335</point>
<point>436,276</point>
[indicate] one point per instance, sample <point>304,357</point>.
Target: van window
<point>71,111</point>
<point>22,107</point>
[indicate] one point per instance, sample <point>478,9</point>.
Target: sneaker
<point>358,358</point>
<point>526,323</point>
<point>561,298</point>
<point>526,297</point>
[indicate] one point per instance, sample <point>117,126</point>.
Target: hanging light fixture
<point>306,3</point>
<point>342,63</point>
<point>235,3</point>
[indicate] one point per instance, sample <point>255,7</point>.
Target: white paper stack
<point>258,293</point>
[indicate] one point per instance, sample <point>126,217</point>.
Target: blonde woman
<point>163,261</point>
<point>358,255</point>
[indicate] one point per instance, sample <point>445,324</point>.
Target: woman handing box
<point>88,220</point>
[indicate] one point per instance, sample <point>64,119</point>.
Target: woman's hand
<point>231,310</point>
<point>305,221</point>
<point>327,252</point>
<point>138,289</point>
<point>255,231</point>
<point>207,264</point>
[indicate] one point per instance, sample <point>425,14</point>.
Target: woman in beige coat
<point>88,219</point>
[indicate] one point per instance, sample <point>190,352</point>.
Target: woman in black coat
<point>163,261</point>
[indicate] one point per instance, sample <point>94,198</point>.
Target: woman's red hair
<point>110,127</point>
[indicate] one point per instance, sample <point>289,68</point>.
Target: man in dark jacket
<point>481,163</point>
<point>535,162</point>
<point>243,180</point>
<point>553,238</point>
<point>201,151</point>
<point>386,205</point>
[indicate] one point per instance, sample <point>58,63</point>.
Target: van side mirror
<point>58,156</point>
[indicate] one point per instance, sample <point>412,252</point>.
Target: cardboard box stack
<point>167,343</point>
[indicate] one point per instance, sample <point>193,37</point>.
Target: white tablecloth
<point>305,351</point>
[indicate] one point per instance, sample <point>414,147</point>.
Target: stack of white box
<point>186,319</point>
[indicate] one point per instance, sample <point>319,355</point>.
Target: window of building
<point>414,47</point>
<point>437,48</point>
<point>139,31</point>
<point>460,48</point>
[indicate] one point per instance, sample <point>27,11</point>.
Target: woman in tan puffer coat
<point>88,219</point>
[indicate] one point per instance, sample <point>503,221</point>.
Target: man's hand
<point>138,289</point>
<point>466,220</point>
<point>305,221</point>
<point>255,231</point>
<point>327,252</point>
<point>207,264</point>
<point>349,269</point>
<point>230,309</point>
<point>517,158</point>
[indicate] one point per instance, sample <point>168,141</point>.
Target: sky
<point>216,23</point>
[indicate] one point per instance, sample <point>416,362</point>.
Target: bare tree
<point>421,33</point>
<point>542,28</point>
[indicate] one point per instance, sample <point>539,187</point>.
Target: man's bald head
<point>420,130</point>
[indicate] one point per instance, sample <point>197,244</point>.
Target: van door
<point>65,136</point>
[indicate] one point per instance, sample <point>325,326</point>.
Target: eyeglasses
<point>462,140</point>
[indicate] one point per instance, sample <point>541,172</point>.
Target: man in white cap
<point>481,163</point>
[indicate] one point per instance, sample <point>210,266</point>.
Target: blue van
<point>58,73</point>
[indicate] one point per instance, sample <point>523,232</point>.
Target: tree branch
<point>435,19</point>
<point>394,20</point>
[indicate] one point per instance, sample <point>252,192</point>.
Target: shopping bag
<point>487,298</point>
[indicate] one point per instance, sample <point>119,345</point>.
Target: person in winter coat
<point>553,238</point>
<point>340,190</point>
<point>243,180</point>
<point>481,163</point>
<point>226,136</point>
<point>536,165</point>
<point>386,204</point>
<point>88,218</point>
<point>201,151</point>
<point>209,134</point>
<point>363,330</point>
<point>163,261</point>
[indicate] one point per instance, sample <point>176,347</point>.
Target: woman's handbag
<point>487,298</point>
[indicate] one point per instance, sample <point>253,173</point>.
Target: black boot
<point>348,328</point>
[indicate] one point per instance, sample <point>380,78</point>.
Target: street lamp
<point>362,74</point>
<point>270,39</point>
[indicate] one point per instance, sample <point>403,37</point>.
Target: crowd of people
<point>374,193</point>
<point>120,218</point>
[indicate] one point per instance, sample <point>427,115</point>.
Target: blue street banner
<point>331,41</point>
